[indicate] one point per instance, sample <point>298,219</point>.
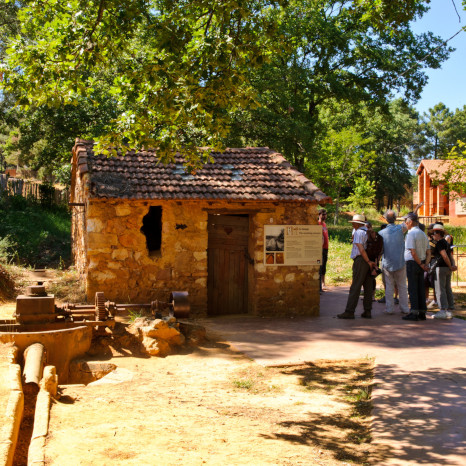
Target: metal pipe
<point>130,306</point>
<point>34,359</point>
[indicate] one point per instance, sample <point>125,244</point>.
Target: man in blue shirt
<point>361,272</point>
<point>393,263</point>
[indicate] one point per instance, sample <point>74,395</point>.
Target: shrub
<point>32,234</point>
<point>7,284</point>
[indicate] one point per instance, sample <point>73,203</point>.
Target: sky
<point>447,84</point>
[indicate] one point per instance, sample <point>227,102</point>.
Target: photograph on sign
<point>275,238</point>
<point>292,244</point>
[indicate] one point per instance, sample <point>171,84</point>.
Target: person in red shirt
<point>323,267</point>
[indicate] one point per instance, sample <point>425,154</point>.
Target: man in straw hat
<point>362,267</point>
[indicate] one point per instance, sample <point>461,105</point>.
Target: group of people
<point>410,259</point>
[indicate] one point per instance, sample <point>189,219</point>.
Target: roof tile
<point>435,168</point>
<point>249,173</point>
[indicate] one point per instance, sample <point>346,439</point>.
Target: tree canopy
<point>313,79</point>
<point>333,50</point>
<point>175,72</point>
<point>171,69</point>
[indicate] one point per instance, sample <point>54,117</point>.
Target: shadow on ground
<point>421,415</point>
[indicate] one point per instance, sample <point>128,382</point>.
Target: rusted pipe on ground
<point>34,360</point>
<point>83,311</point>
<point>133,306</point>
<point>90,307</point>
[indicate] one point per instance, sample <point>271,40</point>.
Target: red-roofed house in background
<point>436,203</point>
<point>240,235</point>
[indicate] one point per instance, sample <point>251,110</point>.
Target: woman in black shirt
<point>443,272</point>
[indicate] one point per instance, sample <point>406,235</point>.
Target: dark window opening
<point>152,230</point>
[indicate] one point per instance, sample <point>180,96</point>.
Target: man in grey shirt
<point>393,262</point>
<point>362,267</point>
<point>417,256</point>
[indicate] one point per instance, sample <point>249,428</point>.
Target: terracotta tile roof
<point>253,173</point>
<point>435,168</point>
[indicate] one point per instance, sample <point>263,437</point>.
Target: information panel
<point>461,206</point>
<point>292,244</point>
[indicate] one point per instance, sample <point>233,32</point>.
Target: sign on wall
<point>460,208</point>
<point>292,244</point>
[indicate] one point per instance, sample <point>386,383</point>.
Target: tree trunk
<point>299,162</point>
<point>337,208</point>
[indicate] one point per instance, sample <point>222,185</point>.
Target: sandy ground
<point>210,406</point>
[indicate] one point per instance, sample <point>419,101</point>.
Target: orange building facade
<point>436,202</point>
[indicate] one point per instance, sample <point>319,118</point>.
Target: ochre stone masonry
<point>110,196</point>
<point>113,256</point>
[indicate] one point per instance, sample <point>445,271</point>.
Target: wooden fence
<point>459,254</point>
<point>33,190</point>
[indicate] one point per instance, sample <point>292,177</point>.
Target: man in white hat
<point>362,267</point>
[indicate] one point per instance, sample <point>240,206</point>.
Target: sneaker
<point>404,312</point>
<point>449,315</point>
<point>366,315</point>
<point>411,316</point>
<point>388,312</point>
<point>421,316</point>
<point>397,301</point>
<point>381,300</point>
<point>432,305</point>
<point>346,315</point>
<point>442,314</point>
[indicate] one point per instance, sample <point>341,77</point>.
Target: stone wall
<point>118,262</point>
<point>283,290</point>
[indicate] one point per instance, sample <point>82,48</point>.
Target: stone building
<point>240,235</point>
<point>436,202</point>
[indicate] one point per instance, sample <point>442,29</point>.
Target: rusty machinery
<point>37,307</point>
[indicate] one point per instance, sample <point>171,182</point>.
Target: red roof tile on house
<point>253,173</point>
<point>435,168</point>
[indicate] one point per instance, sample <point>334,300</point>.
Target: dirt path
<point>211,406</point>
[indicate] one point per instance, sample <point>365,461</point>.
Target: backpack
<point>374,246</point>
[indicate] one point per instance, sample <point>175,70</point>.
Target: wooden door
<point>228,264</point>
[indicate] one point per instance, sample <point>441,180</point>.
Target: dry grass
<point>7,285</point>
<point>66,285</point>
